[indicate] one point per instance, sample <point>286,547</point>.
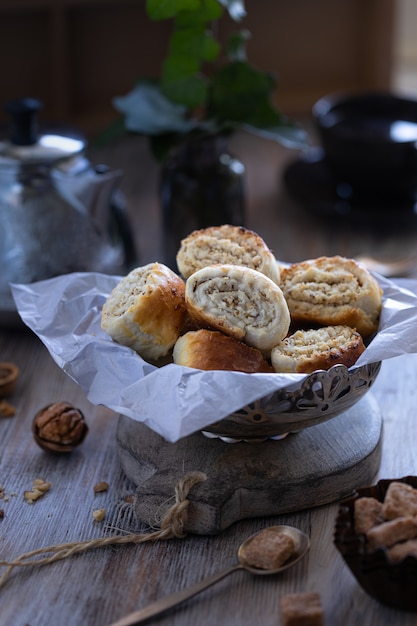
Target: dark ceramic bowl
<point>392,584</point>
<point>369,142</point>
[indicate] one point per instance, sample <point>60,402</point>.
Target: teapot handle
<point>119,224</point>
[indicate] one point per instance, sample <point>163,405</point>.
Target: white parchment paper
<point>174,401</point>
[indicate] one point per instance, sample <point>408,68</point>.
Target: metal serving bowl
<point>322,395</point>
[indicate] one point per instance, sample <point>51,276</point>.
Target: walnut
<point>9,373</point>
<point>59,427</point>
<point>40,487</point>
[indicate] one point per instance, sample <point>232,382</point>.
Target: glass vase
<point>202,185</point>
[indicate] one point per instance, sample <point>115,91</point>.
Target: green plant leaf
<point>208,11</point>
<point>166,9</point>
<point>177,67</point>
<point>211,48</point>
<point>193,43</point>
<point>190,91</point>
<point>286,134</point>
<point>241,93</point>
<point>148,111</point>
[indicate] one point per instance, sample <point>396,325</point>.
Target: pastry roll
<point>226,245</point>
<point>308,350</point>
<point>146,310</point>
<point>240,302</point>
<point>330,291</point>
<point>211,350</point>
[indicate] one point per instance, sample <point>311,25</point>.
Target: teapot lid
<point>26,145</point>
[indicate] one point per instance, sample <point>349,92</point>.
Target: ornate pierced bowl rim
<point>320,396</point>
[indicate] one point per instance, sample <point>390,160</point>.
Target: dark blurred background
<point>76,55</point>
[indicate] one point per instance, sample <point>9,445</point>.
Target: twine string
<point>171,526</point>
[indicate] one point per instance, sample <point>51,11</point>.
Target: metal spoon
<point>302,544</point>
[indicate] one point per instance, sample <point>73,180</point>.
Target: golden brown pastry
<point>211,350</point>
<point>227,245</point>
<point>146,310</point>
<point>332,290</point>
<point>308,350</point>
<point>240,302</point>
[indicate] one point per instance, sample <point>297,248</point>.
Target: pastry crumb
<point>101,486</point>
<point>99,514</point>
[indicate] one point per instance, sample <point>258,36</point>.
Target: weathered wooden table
<point>105,583</point>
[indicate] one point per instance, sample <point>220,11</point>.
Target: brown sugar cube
<point>367,513</point>
<point>400,500</point>
<point>399,551</point>
<point>269,549</point>
<point>388,533</point>
<point>301,609</point>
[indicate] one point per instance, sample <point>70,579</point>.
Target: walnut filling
<point>226,297</point>
<point>240,302</point>
<point>126,296</point>
<point>331,293</point>
<point>212,251</point>
<point>226,245</point>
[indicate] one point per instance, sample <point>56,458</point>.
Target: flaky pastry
<point>308,350</point>
<point>211,350</point>
<point>240,302</point>
<point>146,310</point>
<point>331,291</point>
<point>226,245</point>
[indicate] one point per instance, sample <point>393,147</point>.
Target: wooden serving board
<point>315,466</point>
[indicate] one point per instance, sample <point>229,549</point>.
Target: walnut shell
<point>9,373</point>
<point>59,427</point>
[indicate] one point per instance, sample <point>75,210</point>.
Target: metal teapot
<point>58,213</point>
